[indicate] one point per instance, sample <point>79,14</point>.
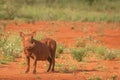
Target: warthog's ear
<point>22,34</point>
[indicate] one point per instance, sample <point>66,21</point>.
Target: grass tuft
<point>79,54</point>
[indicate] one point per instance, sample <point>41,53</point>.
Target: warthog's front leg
<point>28,64</point>
<point>34,65</point>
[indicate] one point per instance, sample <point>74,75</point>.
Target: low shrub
<point>105,53</point>
<point>60,50</point>
<point>10,47</point>
<point>79,54</point>
<point>110,54</point>
<point>3,61</point>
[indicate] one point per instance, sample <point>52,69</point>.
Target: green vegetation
<point>105,53</point>
<point>79,54</point>
<point>60,50</point>
<point>79,10</point>
<point>3,61</point>
<point>82,50</point>
<point>10,47</point>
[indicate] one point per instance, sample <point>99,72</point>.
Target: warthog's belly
<point>39,57</point>
<point>42,59</point>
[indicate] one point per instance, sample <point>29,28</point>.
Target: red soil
<point>67,33</point>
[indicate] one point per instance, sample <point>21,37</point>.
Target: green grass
<point>3,61</point>
<point>105,53</point>
<point>64,10</point>
<point>34,13</point>
<point>60,48</point>
<point>100,51</point>
<point>10,46</point>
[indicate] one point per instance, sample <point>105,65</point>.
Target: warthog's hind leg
<point>50,63</point>
<point>53,64</point>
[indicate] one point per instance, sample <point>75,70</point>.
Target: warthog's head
<point>27,40</point>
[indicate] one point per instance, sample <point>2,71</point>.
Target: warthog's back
<point>51,44</point>
<point>40,51</point>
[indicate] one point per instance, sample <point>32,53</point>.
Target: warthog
<point>38,50</point>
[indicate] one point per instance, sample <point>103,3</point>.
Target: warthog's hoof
<point>27,71</point>
<point>52,70</point>
<point>34,72</point>
<point>48,70</point>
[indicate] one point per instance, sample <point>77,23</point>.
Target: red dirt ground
<point>67,32</point>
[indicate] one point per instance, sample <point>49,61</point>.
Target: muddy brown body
<point>38,50</point>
